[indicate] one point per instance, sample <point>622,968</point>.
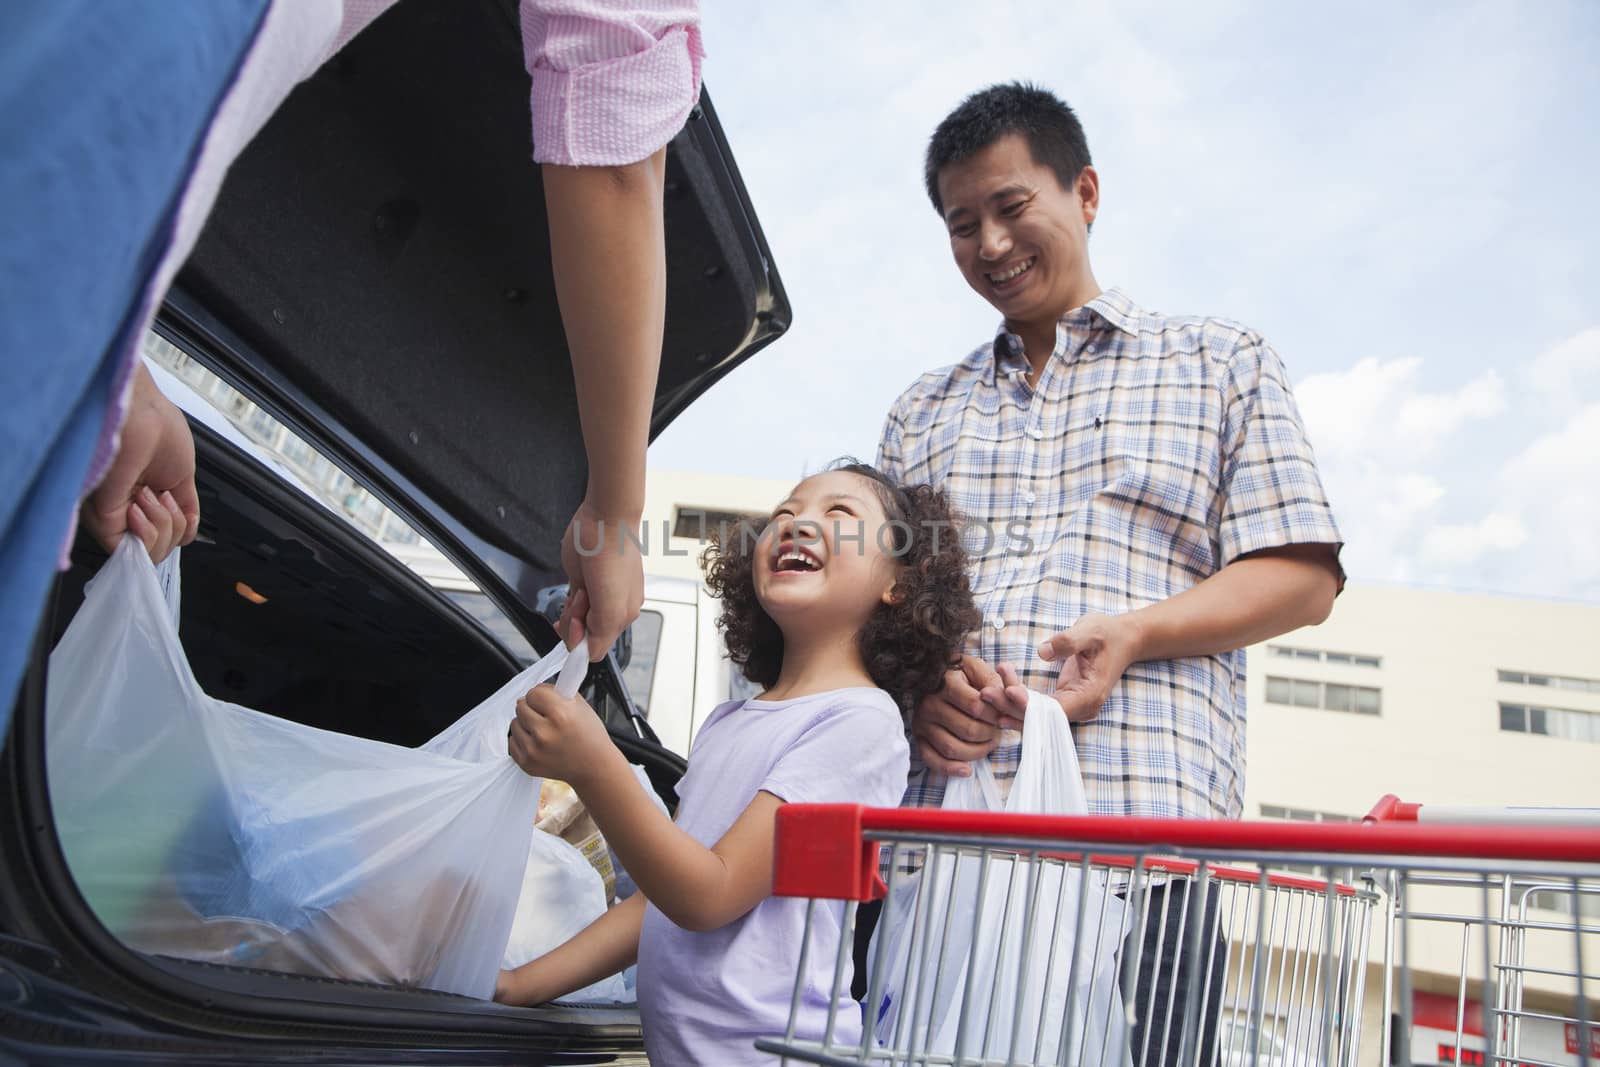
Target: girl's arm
<point>604,947</point>
<point>698,888</point>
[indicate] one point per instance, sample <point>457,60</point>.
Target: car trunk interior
<point>347,640</point>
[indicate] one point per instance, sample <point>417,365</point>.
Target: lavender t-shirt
<point>705,997</point>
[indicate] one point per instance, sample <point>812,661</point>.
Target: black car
<point>376,276</point>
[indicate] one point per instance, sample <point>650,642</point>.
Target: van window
<point>641,669</point>
<point>642,666</point>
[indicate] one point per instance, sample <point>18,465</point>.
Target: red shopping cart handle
<point>826,850</point>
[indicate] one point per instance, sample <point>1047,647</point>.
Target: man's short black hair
<point>1054,134</point>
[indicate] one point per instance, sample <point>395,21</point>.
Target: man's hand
<point>1093,653</point>
<point>605,580</point>
<point>558,737</point>
<point>149,489</point>
<point>958,724</point>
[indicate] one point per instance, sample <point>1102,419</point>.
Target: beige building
<point>681,508</point>
<point>1439,697</point>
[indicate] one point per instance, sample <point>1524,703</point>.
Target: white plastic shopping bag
<point>557,870</point>
<point>984,955</point>
<point>204,830</point>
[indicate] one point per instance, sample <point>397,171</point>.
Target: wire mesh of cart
<point>1492,962</point>
<point>1077,940</point>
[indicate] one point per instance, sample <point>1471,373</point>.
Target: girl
<point>847,605</point>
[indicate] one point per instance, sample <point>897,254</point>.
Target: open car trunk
<point>359,645</point>
<point>376,276</point>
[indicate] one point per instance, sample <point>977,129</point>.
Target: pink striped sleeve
<point>613,80</point>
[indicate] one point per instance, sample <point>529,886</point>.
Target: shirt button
<point>1035,432</point>
<point>1089,349</point>
<point>999,624</point>
<point>1027,496</point>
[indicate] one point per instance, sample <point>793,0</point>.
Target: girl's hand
<point>557,737</point>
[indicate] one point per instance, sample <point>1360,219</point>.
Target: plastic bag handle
<point>574,670</point>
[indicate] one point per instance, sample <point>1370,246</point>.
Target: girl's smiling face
<point>826,558</point>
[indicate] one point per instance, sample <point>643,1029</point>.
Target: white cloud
<point>1555,483</point>
<point>1415,508</point>
<point>1377,432</point>
<point>1343,410</point>
<point>1380,403</point>
<point>1569,371</point>
<point>1430,417</point>
<point>1449,545</point>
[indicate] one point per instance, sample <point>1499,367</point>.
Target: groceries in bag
<point>561,868</point>
<point>561,813</point>
<point>207,831</point>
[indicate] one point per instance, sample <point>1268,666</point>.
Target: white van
<point>678,669</point>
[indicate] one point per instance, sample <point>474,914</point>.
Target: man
<point>1146,484</point>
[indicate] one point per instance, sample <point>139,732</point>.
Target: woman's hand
<point>149,490</point>
<point>559,737</point>
<point>605,579</point>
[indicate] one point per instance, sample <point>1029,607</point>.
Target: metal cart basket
<point>1021,939</point>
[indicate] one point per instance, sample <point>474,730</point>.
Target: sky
<point>1401,198</point>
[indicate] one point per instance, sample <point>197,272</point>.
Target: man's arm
<point>1256,597</point>
<point>608,251</point>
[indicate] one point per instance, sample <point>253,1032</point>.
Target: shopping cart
<point>1527,969</point>
<point>1028,940</point>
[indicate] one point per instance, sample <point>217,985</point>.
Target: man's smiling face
<point>1019,238</point>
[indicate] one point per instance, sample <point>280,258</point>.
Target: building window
<point>298,452</point>
<point>1345,659</point>
<point>1342,875</point>
<point>707,524</point>
<point>1280,811</point>
<point>395,531</point>
<point>1584,904</point>
<point>1551,722</point>
<point>1551,681</point>
<point>1299,693</point>
<point>260,425</point>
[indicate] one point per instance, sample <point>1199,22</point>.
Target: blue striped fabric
<point>1153,451</point>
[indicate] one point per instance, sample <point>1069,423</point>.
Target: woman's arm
<point>604,947</point>
<point>608,251</point>
<point>698,888</point>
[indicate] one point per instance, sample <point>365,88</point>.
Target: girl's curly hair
<point>907,645</point>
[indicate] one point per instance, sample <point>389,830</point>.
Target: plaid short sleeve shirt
<point>1153,451</point>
